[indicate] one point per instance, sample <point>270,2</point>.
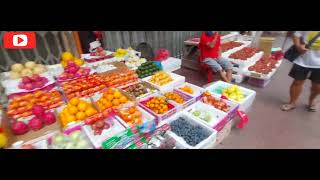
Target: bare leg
<point>223,76</point>
<point>295,91</point>
<point>315,91</point>
<point>229,75</point>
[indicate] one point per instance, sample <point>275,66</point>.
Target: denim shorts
<point>218,64</point>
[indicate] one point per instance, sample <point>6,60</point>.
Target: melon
<point>30,64</point>
<point>17,67</point>
<point>14,75</point>
<point>26,72</point>
<point>38,70</point>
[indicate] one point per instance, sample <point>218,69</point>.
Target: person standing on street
<point>306,66</point>
<point>210,54</point>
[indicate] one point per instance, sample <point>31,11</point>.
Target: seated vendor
<point>210,49</point>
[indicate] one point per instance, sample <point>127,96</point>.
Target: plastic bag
<point>162,54</point>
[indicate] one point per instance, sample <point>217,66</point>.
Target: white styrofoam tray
<point>230,51</point>
<point>177,80</point>
<point>11,86</point>
<point>181,143</point>
<point>249,94</point>
<point>146,117</point>
<point>197,91</point>
<point>216,115</point>
<point>97,140</point>
<point>243,64</point>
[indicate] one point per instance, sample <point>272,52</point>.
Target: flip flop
<point>288,107</point>
<point>312,108</point>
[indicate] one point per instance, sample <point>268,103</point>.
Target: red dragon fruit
<point>19,127</point>
<point>49,118</point>
<point>35,124</point>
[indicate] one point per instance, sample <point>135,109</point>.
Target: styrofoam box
<point>249,94</point>
<point>97,140</point>
<point>217,115</point>
<point>197,91</point>
<point>70,130</point>
<point>159,117</point>
<point>145,117</point>
<point>181,143</point>
<point>188,100</point>
<point>11,86</point>
<point>230,51</point>
<point>238,78</point>
<point>171,64</point>
<point>243,64</point>
<point>177,80</point>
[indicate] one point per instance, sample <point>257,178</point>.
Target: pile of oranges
<point>76,110</point>
<point>21,106</point>
<point>174,96</point>
<point>187,89</point>
<point>132,116</point>
<point>158,105</point>
<point>111,99</point>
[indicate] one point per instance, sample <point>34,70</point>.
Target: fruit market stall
<point>117,106</point>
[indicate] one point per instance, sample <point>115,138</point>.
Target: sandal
<point>288,107</point>
<point>312,108</point>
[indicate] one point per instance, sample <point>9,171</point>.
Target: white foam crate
<point>249,94</point>
<point>243,64</point>
<point>159,117</point>
<point>97,140</point>
<point>238,78</point>
<point>171,64</point>
<point>181,143</point>
<point>217,115</point>
<point>188,99</point>
<point>146,117</point>
<point>197,91</point>
<point>230,51</point>
<point>177,80</point>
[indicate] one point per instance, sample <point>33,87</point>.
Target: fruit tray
<point>96,140</point>
<point>240,65</point>
<point>177,80</point>
<point>69,131</point>
<point>146,118</point>
<point>197,91</point>
<point>159,117</point>
<point>151,90</point>
<point>181,143</point>
<point>233,106</point>
<point>217,87</point>
<point>230,51</point>
<point>216,115</point>
<point>59,110</point>
<point>96,97</point>
<point>11,86</point>
<point>188,100</point>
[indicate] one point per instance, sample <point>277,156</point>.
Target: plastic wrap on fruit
<point>147,127</point>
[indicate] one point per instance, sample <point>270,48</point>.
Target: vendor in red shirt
<point>210,54</point>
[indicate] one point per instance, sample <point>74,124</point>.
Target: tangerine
<point>70,118</point>
<point>74,101</point>
<point>116,102</point>
<point>108,104</point>
<point>117,94</point>
<point>90,111</point>
<point>81,115</point>
<point>110,97</point>
<point>123,99</point>
<point>72,110</point>
<point>132,110</point>
<point>82,106</point>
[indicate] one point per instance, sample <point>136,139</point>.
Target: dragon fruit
<point>38,110</point>
<point>162,54</point>
<point>49,118</point>
<point>35,124</point>
<point>19,128</point>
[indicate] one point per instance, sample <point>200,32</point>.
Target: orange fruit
<point>137,114</point>
<point>82,106</point>
<point>123,99</point>
<point>108,104</point>
<point>132,110</point>
<point>70,118</point>
<point>110,91</point>
<point>74,101</point>
<point>117,94</point>
<point>72,110</point>
<point>110,97</point>
<point>115,102</point>
<point>90,111</point>
<point>81,116</point>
